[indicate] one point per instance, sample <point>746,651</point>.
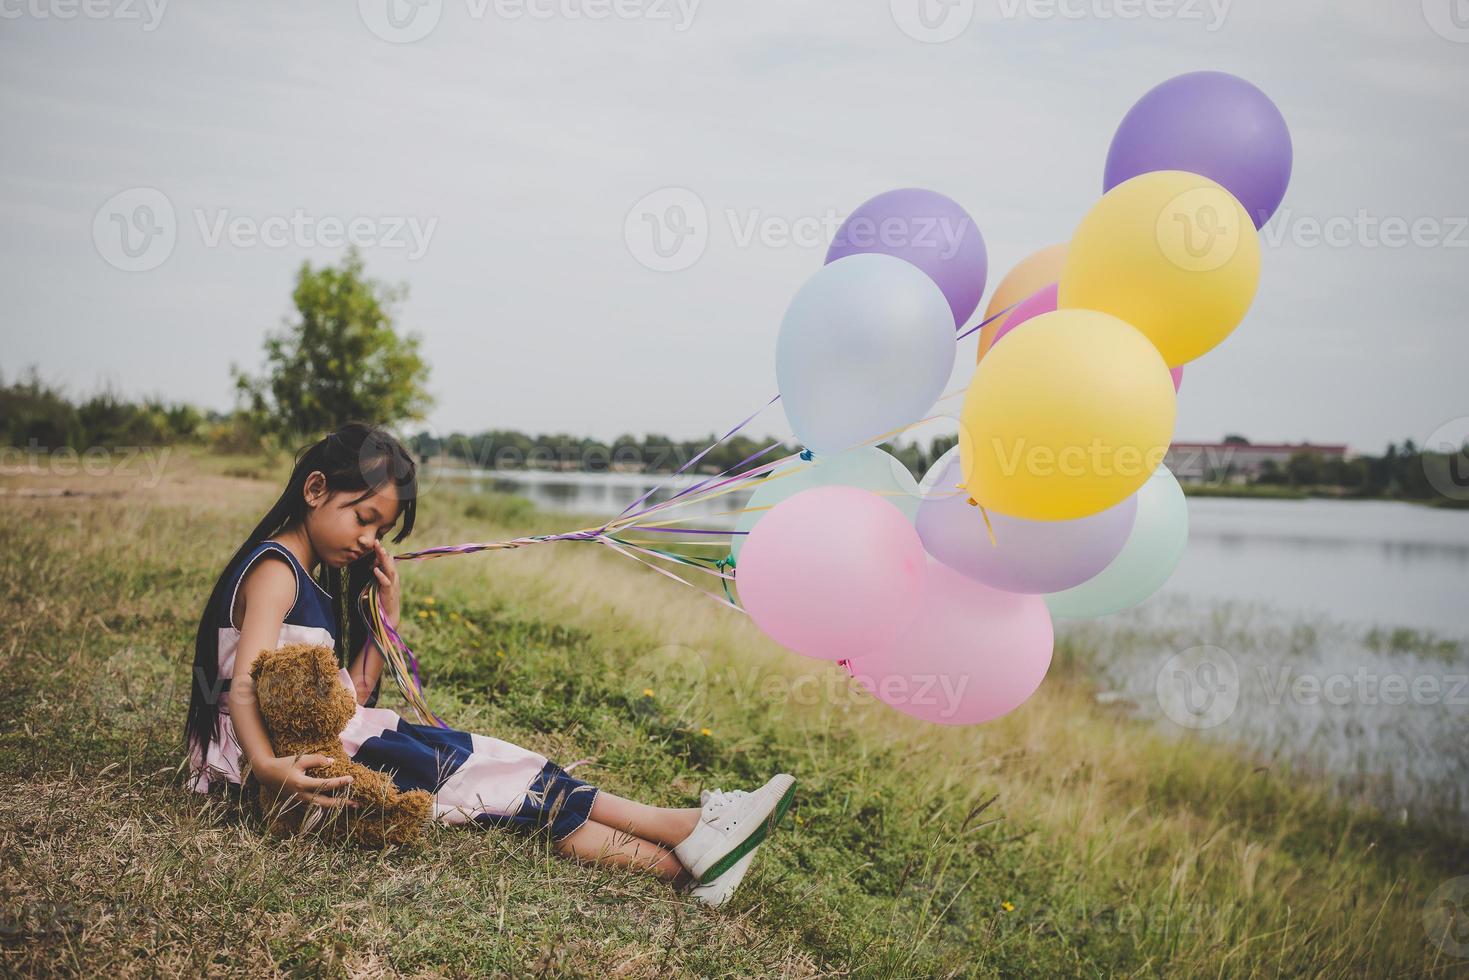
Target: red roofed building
<point>1239,461</point>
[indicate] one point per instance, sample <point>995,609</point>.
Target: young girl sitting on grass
<point>344,494</point>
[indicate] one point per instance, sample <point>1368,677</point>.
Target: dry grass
<point>1064,839</point>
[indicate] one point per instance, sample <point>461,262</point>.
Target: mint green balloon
<point>1153,550</point>
<point>867,468</point>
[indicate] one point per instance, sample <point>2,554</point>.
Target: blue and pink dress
<point>473,778</point>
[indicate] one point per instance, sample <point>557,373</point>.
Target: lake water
<point>1363,562</point>
<point>1330,634</point>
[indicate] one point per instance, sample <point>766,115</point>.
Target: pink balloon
<point>1041,301</point>
<point>832,572</point>
<point>1045,301</point>
<point>974,653</point>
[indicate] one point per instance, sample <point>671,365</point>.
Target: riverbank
<point>1068,838</point>
<point>1270,492</point>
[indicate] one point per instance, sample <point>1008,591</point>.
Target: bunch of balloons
<point>939,598</point>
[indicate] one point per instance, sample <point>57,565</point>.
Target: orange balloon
<point>1033,273</point>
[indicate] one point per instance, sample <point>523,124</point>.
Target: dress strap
<point>239,576</point>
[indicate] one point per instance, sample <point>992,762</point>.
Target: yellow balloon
<point>1172,253</point>
<point>1070,416</point>
<point>1030,275</point>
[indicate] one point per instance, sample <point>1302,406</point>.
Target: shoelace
<point>715,800</point>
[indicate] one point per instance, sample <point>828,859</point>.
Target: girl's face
<point>343,531</point>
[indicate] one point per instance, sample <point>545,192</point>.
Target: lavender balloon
<point>1033,557</point>
<point>1210,123</point>
<point>927,229</point>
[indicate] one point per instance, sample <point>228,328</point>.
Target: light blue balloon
<point>1153,550</point>
<point>868,468</point>
<point>866,347</point>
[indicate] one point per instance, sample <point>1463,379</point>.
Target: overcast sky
<point>492,151</point>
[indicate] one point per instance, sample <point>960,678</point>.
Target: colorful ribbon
<point>403,665</point>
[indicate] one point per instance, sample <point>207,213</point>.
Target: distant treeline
<point>40,417</point>
<point>508,449</point>
<point>1400,472</point>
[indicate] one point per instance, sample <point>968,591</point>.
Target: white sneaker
<point>731,825</point>
<point>722,889</point>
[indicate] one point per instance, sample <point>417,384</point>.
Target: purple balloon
<point>1032,557</point>
<point>927,229</point>
<point>1210,123</point>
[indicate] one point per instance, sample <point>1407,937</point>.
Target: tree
<point>1304,469</point>
<point>342,359</point>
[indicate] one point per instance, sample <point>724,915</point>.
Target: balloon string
<point>663,571</point>
<point>403,665</point>
<point>698,564</point>
<point>960,336</point>
<point>989,528</point>
<point>701,455</point>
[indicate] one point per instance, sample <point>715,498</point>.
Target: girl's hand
<point>285,778</point>
<point>388,589</point>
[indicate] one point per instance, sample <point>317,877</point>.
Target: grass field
<point>1065,839</point>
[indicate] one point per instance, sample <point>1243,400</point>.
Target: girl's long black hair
<point>357,457</point>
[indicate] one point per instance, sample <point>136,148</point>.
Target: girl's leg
<point>601,844</point>
<point>662,824</point>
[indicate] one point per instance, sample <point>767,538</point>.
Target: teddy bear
<point>306,707</point>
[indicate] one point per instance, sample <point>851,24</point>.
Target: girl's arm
<point>366,669</point>
<point>269,589</point>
